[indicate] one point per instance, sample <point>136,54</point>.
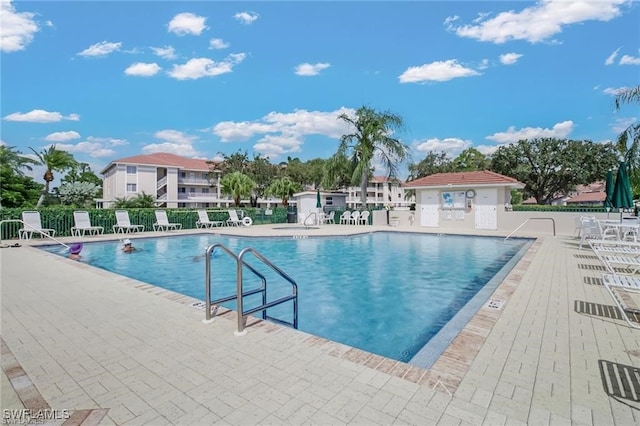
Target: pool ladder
<point>241,293</point>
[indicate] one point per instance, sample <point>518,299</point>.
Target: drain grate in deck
<point>620,381</point>
<point>495,303</point>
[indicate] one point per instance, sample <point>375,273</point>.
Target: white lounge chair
<point>355,216</point>
<point>33,225</point>
<point>124,224</point>
<point>345,217</point>
<point>233,220</point>
<point>83,224</point>
<point>614,283</point>
<point>364,217</point>
<point>204,221</point>
<point>162,222</point>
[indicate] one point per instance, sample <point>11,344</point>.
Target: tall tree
<point>81,172</point>
<point>371,138</point>
<point>470,160</point>
<point>550,166</point>
<point>262,172</point>
<point>431,164</point>
<point>314,172</point>
<point>238,185</point>
<point>52,159</point>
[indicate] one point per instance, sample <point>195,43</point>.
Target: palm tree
<point>53,160</point>
<point>283,188</point>
<point>238,185</point>
<point>372,138</point>
<point>628,143</point>
<point>13,159</point>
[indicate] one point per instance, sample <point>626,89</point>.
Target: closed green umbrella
<point>608,189</point>
<point>318,200</point>
<point>622,198</point>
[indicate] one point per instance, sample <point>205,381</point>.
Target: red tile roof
<point>464,179</point>
<point>164,159</point>
<point>588,197</point>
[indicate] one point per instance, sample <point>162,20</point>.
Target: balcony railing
<point>196,181</point>
<point>199,196</point>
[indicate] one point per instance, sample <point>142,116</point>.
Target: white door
<point>429,208</point>
<point>485,206</point>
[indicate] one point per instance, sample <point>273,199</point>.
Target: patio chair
<point>83,224</point>
<point>205,222</point>
<point>344,217</point>
<point>124,224</point>
<point>364,217</point>
<point>162,222</point>
<point>33,225</point>
<point>592,229</point>
<point>355,216</point>
<point>233,220</point>
<point>614,284</point>
<point>330,218</point>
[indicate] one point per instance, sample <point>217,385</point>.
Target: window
<point>192,190</point>
<point>132,187</point>
<point>205,190</point>
<point>132,170</point>
<point>183,174</point>
<point>182,190</point>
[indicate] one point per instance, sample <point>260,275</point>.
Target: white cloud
<point>436,71</point>
<point>92,149</point>
<point>246,18</point>
<point>307,69</point>
<point>197,68</point>
<point>612,58</point>
<point>141,69</point>
<point>49,24</point>
<point>614,91</point>
<point>273,146</point>
<point>40,116</point>
<point>484,64</point>
<point>17,29</point>
<point>173,141</point>
<point>101,49</point>
<point>452,146</point>
<point>559,130</point>
<point>62,136</point>
<point>622,124</point>
<point>487,149</point>
<point>629,60</point>
<point>218,43</point>
<point>538,22</point>
<point>187,23</point>
<point>284,132</point>
<point>166,52</point>
<point>510,58</point>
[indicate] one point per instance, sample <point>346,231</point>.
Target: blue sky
<point>110,79</point>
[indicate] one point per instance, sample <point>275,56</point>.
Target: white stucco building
<point>381,191</point>
<point>474,200</point>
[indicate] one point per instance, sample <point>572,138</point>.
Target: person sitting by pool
<point>127,247</point>
<point>74,251</point>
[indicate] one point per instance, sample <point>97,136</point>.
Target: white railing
<point>162,182</point>
<point>196,181</point>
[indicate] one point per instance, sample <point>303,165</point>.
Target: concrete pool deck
<point>111,350</point>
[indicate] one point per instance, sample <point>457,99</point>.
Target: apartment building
<point>174,181</point>
<point>381,191</point>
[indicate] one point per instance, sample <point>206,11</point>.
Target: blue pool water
<point>386,293</point>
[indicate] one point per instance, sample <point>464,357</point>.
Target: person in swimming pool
<point>127,247</point>
<point>74,251</point>
<point>215,253</point>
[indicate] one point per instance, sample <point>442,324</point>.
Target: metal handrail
<point>33,228</point>
<point>241,313</point>
<point>533,218</point>
<point>304,222</point>
<point>207,282</point>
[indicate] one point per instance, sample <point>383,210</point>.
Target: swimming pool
<point>387,293</point>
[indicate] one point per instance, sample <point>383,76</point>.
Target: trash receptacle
<point>291,216</point>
